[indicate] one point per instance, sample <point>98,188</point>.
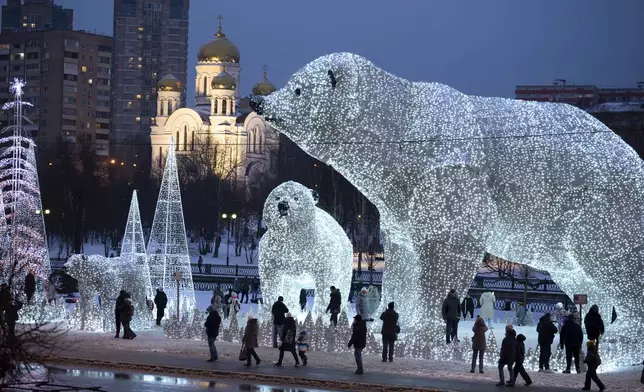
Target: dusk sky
<point>479,47</point>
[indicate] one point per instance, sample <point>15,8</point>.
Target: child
<point>518,365</point>
<point>593,361</point>
<point>303,346</point>
<point>507,356</point>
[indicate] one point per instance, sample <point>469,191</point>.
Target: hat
<point>357,317</point>
<point>289,315</point>
<point>363,290</point>
<point>452,291</point>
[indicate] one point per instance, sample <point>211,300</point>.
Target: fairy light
<point>454,176</point>
<point>168,245</point>
<point>302,242</point>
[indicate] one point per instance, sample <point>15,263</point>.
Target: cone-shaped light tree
<point>168,245</point>
<point>133,253</point>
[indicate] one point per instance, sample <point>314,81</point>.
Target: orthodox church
<point>237,142</point>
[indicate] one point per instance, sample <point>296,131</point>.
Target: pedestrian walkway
<point>266,372</point>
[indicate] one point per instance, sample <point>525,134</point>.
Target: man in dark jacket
<point>507,355</point>
<point>451,315</point>
<point>519,349</point>
<point>546,330</point>
<point>118,307</point>
<point>389,331</point>
<point>571,336</point>
<point>11,317</point>
<point>335,303</point>
<point>245,289</point>
<point>358,340</point>
<point>30,285</point>
<point>213,321</point>
<point>279,311</point>
<point>467,306</point>
<point>161,301</point>
<point>594,324</point>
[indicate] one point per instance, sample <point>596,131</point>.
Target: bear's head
<point>290,205</point>
<point>320,104</point>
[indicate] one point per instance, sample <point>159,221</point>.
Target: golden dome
<point>169,83</point>
<point>264,87</point>
<point>219,49</point>
<point>223,81</point>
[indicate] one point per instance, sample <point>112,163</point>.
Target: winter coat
<point>213,321</point>
<point>160,299</point>
<point>389,322</point>
<point>120,300</point>
<point>592,358</point>
<point>358,335</point>
<point>362,308</point>
<point>519,349</point>
<point>335,302</point>
<point>479,329</point>
<point>486,302</point>
<point>279,311</point>
<point>521,314</point>
<point>546,331</point>
<point>302,297</point>
<point>467,305</point>
<point>303,341</point>
<point>234,305</point>
<point>50,289</point>
<point>30,283</point>
<point>508,351</point>
<point>594,324</point>
<point>451,307</point>
<point>288,334</point>
<point>5,297</point>
<point>254,286</point>
<point>373,300</point>
<point>571,334</point>
<point>237,285</point>
<point>251,333</point>
<point>11,312</point>
<point>245,286</point>
<point>127,310</point>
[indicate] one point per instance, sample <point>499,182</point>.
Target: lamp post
<point>230,218</point>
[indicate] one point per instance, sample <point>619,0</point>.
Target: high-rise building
<point>150,38</point>
<point>35,15</point>
<point>68,84</point>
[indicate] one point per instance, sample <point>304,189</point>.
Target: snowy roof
<point>617,107</point>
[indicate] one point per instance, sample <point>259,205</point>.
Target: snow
<point>617,107</point>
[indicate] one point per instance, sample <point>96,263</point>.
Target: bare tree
<point>521,275</point>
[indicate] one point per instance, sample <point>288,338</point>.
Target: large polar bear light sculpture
<point>302,243</point>
<point>105,277</point>
<point>455,176</point>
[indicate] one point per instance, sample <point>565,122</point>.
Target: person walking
<point>236,286</point>
<point>451,315</point>
<point>521,312</point>
<point>50,290</point>
<point>571,336</point>
<point>288,340</point>
<point>250,340</point>
<point>519,349</point>
<point>279,311</point>
<point>11,317</point>
<point>467,306</point>
<point>118,308</point>
<point>335,304</point>
<point>362,308</point>
<point>358,340</point>
<point>127,312</point>
<point>303,346</point>
<point>486,303</point>
<point>225,304</point>
<point>593,361</point>
<point>254,288</point>
<point>546,335</point>
<point>212,324</point>
<point>507,356</point>
<point>390,330</point>
<point>161,302</point>
<point>594,324</point>
<point>245,289</point>
<point>479,343</point>
<point>302,300</point>
<point>200,264</point>
<point>30,285</point>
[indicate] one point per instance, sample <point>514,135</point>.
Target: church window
<point>254,140</point>
<point>176,146</point>
<point>169,108</point>
<point>160,156</point>
<point>216,106</point>
<point>185,138</point>
<point>223,106</point>
<point>248,136</point>
<point>260,142</point>
<point>205,85</point>
<point>192,143</point>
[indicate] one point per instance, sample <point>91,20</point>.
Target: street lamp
<point>232,218</point>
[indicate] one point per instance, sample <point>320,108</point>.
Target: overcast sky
<point>482,47</point>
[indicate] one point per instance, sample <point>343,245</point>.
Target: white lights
<point>302,243</point>
<point>454,176</point>
<point>168,245</point>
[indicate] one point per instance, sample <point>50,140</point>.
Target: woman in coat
<point>250,340</point>
<point>479,343</point>
<point>487,307</point>
<point>288,340</point>
<point>127,312</point>
<point>594,324</point>
<point>358,340</point>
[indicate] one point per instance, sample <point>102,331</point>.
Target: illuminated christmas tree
<point>133,253</point>
<point>168,245</point>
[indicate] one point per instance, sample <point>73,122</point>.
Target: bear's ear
<point>316,196</point>
<point>332,78</point>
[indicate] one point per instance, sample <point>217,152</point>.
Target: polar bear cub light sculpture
<point>302,243</point>
<point>454,176</point>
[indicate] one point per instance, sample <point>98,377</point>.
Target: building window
<point>160,156</point>
<point>176,146</point>
<point>185,138</point>
<point>205,85</point>
<point>223,106</point>
<point>192,143</point>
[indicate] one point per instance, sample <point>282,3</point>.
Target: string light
<point>544,184</point>
<point>168,245</point>
<point>303,244</point>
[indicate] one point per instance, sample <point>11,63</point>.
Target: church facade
<point>236,143</point>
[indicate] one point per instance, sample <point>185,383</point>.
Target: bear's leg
<point>271,283</point>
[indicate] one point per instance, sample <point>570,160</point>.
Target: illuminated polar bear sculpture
<point>455,176</point>
<point>303,243</point>
<point>98,275</point>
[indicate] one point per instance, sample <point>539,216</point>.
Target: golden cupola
<point>219,49</point>
<point>223,81</point>
<point>264,87</point>
<point>169,83</point>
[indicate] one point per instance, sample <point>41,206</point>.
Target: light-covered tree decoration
<point>133,252</point>
<point>533,363</point>
<point>455,176</point>
<point>168,245</point>
<point>491,350</point>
